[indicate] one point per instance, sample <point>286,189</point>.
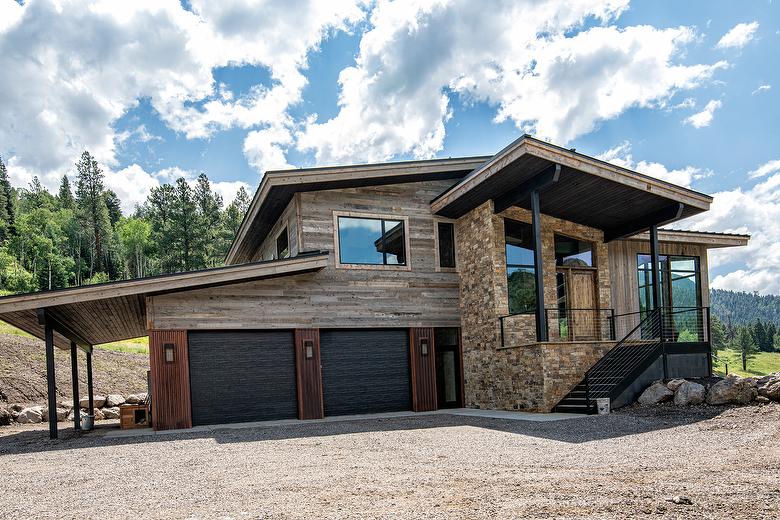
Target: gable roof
<point>278,187</point>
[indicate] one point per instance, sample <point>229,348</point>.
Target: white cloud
<point>765,169</point>
<point>264,149</point>
<point>621,155</point>
<point>738,36</point>
<point>519,57</point>
<point>761,88</point>
<point>79,66</point>
<point>755,211</point>
<point>704,118</point>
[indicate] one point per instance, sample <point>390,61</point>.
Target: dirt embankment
<point>23,371</point>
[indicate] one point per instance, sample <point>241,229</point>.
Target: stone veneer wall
<point>524,374</point>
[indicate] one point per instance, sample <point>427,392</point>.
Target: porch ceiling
<point>588,191</point>
<point>115,311</point>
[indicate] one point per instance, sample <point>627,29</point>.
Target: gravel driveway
<point>726,460</point>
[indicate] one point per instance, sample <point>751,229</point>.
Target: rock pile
<point>106,407</point>
<point>729,390</point>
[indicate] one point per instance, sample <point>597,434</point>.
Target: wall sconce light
<point>424,346</point>
<point>168,351</point>
<point>308,347</point>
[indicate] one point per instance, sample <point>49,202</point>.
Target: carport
<point>77,318</point>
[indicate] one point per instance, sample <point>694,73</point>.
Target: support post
<point>655,275</point>
<point>91,410</point>
<point>536,224</point>
<point>74,369</point>
<point>51,386</point>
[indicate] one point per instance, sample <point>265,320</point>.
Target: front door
<point>448,370</point>
<point>577,305</point>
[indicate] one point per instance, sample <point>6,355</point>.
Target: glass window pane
<point>683,263</point>
<point>394,242</point>
<point>360,240</point>
<point>685,290</point>
<point>446,231</point>
<point>522,289</point>
<point>572,252</point>
<point>519,243</point>
<point>282,245</point>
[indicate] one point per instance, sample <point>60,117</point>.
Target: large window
<point>680,289</point>
<point>570,252</point>
<point>520,271</point>
<point>371,241</point>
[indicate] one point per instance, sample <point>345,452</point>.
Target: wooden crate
<point>133,416</point>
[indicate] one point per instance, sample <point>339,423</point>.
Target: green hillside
<point>742,308</point>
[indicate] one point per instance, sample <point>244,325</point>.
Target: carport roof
<point>113,311</point>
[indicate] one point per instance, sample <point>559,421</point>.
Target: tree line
<point>744,308</point>
<point>79,236</point>
<point>748,340</point>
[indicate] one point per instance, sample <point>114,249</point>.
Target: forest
<point>80,236</point>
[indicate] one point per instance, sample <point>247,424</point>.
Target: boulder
<point>15,408</point>
<point>97,400</point>
<point>762,400</point>
<point>733,389</point>
<point>674,384</point>
<point>770,391</point>
<point>62,414</point>
<point>65,404</point>
<point>99,415</point>
<point>113,400</point>
<point>136,398</point>
<point>111,412</point>
<point>774,377</point>
<point>689,393</point>
<point>655,393</point>
<point>5,417</point>
<point>32,415</point>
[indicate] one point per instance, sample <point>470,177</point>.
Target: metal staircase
<point>633,354</point>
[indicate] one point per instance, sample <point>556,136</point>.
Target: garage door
<point>242,376</point>
<point>365,371</point>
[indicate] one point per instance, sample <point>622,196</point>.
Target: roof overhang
<point>278,187</point>
<point>573,187</point>
<point>704,238</point>
<point>102,313</point>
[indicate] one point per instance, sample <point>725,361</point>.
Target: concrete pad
<point>464,412</point>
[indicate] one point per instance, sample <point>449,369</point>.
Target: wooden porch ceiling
<point>114,311</point>
<point>588,191</point>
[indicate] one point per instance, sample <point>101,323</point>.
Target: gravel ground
<point>628,464</point>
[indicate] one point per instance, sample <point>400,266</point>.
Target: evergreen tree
<point>65,194</point>
<point>718,334</point>
<point>746,346</point>
<point>92,210</point>
<point>777,343</point>
<point>210,214</point>
<point>7,205</point>
<point>114,207</point>
<point>36,196</point>
<point>231,221</point>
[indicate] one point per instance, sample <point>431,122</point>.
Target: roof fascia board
<point>711,240</point>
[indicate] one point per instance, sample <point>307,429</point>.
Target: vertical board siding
<point>309,376</point>
<point>423,370</point>
<point>171,406</point>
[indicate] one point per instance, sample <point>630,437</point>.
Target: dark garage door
<point>242,376</point>
<point>365,371</point>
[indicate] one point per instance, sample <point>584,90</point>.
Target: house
<point>520,281</point>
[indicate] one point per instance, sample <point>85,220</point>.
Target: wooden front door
<point>581,304</point>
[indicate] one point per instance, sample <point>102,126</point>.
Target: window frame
<point>666,281</point>
<point>286,233</point>
<point>437,255</point>
<point>407,266</point>
<point>527,267</point>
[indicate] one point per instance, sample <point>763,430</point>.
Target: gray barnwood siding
<point>334,297</point>
<point>289,219</point>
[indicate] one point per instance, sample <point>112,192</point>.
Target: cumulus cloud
<point>526,59</point>
<point>738,36</point>
<point>621,155</point>
<point>705,117</point>
<point>765,169</point>
<point>79,66</point>
<point>754,211</point>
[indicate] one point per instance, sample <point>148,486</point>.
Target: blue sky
<point>686,91</point>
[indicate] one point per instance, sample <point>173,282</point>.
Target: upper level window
<point>520,270</point>
<point>282,245</point>
<point>446,235</point>
<point>371,241</point>
<point>678,281</point>
<point>570,252</point>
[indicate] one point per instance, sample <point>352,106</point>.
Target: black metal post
<point>536,224</point>
<point>709,339</point>
<point>656,261</point>
<point>91,410</point>
<point>50,383</point>
<point>74,369</point>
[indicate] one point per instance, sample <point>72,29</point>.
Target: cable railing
<point>580,324</point>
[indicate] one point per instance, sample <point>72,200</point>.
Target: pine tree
<point>209,213</point>
<point>7,205</point>
<point>746,346</point>
<point>92,209</point>
<point>718,334</point>
<point>231,220</point>
<point>114,207</point>
<point>65,194</point>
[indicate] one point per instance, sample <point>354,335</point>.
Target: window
<point>371,241</point>
<point>282,245</point>
<point>520,271</point>
<point>168,352</point>
<point>570,252</point>
<point>680,288</point>
<point>446,235</point>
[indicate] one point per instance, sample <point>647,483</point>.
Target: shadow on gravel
<point>630,421</point>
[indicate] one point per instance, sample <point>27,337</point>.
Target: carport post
<point>74,368</point>
<point>51,386</point>
<point>91,410</point>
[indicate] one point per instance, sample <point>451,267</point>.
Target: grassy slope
<point>763,363</point>
<point>117,368</point>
